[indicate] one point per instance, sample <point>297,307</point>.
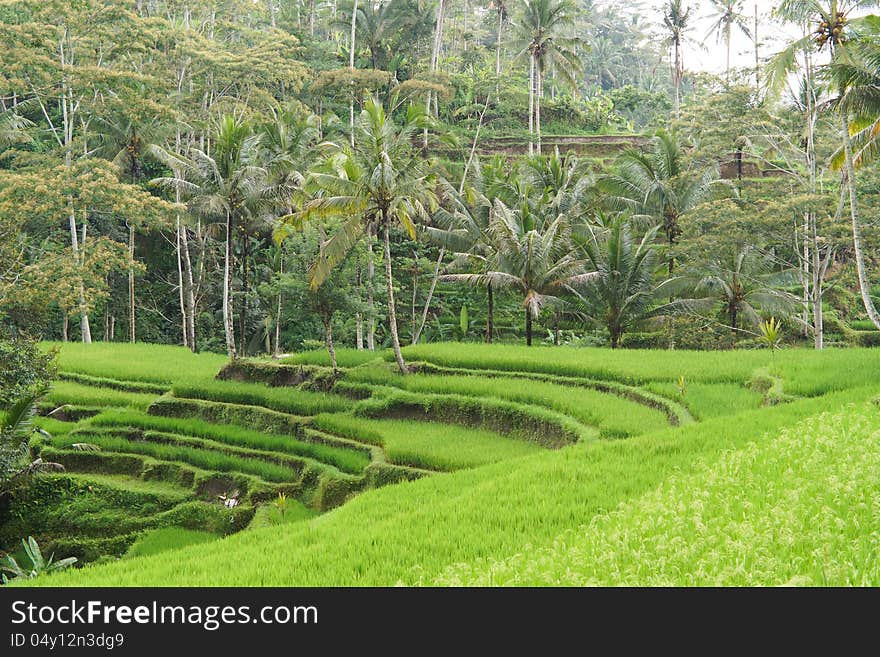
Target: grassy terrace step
<point>150,363</point>
<point>286,400</point>
<point>806,372</point>
<point>67,392</point>
<point>428,445</point>
<point>414,531</point>
<point>345,459</point>
<point>204,484</point>
<point>192,453</point>
<point>706,400</point>
<point>344,357</point>
<point>526,422</point>
<point>614,416</point>
<point>173,491</point>
<point>676,412</point>
<point>116,384</point>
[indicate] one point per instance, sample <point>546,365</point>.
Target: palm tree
<point>855,69</point>
<point>229,185</point>
<point>543,32</point>
<point>747,284</point>
<point>728,14</point>
<point>530,254</point>
<point>380,182</point>
<point>656,186</point>
<point>676,19</point>
<point>622,290</point>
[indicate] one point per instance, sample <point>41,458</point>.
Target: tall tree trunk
<point>277,351</point>
<point>188,291</point>
<point>498,49</point>
<point>131,316</point>
<point>435,60</point>
<point>727,69</point>
<point>676,80</point>
<point>65,328</point>
<point>490,315</point>
<point>528,328</point>
<point>312,18</point>
<point>539,79</point>
<point>228,329</point>
<point>864,285</point>
<point>359,316</point>
<point>389,282</point>
<point>531,104</point>
<point>757,60</point>
<point>242,317</point>
<point>180,285</point>
<point>328,338</point>
<point>556,329</point>
<point>371,302</point>
<point>354,12</point>
<point>418,333</point>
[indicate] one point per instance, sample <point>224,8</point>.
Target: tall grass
<point>66,392</point>
<point>414,531</point>
<point>707,400</point>
<point>344,357</point>
<point>800,508</point>
<point>152,363</point>
<point>286,400</point>
<point>166,539</point>
<point>428,444</point>
<point>613,415</point>
<point>345,459</point>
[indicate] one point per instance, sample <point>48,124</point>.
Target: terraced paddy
<point>489,465</point>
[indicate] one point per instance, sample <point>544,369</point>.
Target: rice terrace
<point>383,293</point>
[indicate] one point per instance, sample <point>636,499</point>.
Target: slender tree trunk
<point>312,18</point>
<point>351,65</point>
<point>498,50</point>
<point>805,274</point>
<point>227,301</point>
<point>531,104</point>
<point>328,338</point>
<point>389,282</point>
<point>435,60</point>
<point>727,69</point>
<point>180,286</point>
<point>277,351</point>
<point>418,333</point>
<point>359,316</point>
<point>528,328</point>
<point>65,328</point>
<point>242,317</point>
<point>131,315</point>
<point>490,315</point>
<point>371,302</point>
<point>864,285</point>
<point>188,292</point>
<point>556,329</point>
<point>757,60</point>
<point>676,79</point>
<point>539,79</point>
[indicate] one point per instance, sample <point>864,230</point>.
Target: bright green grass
<point>137,362</point>
<point>344,357</point>
<point>66,392</point>
<point>800,508</point>
<point>207,459</point>
<point>53,426</point>
<point>345,459</point>
<point>613,415</point>
<point>705,400</point>
<point>286,400</point>
<point>134,484</point>
<point>413,531</point>
<point>428,444</point>
<point>270,515</point>
<point>166,539</point>
<point>805,371</point>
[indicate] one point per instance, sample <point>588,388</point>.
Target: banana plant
<point>39,565</point>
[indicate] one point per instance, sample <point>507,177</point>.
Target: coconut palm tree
<point>676,20</point>
<point>531,254</point>
<point>747,284</point>
<point>657,187</point>
<point>380,182</point>
<point>727,15</point>
<point>856,94</point>
<point>228,185</point>
<point>622,290</point>
<point>543,33</point>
